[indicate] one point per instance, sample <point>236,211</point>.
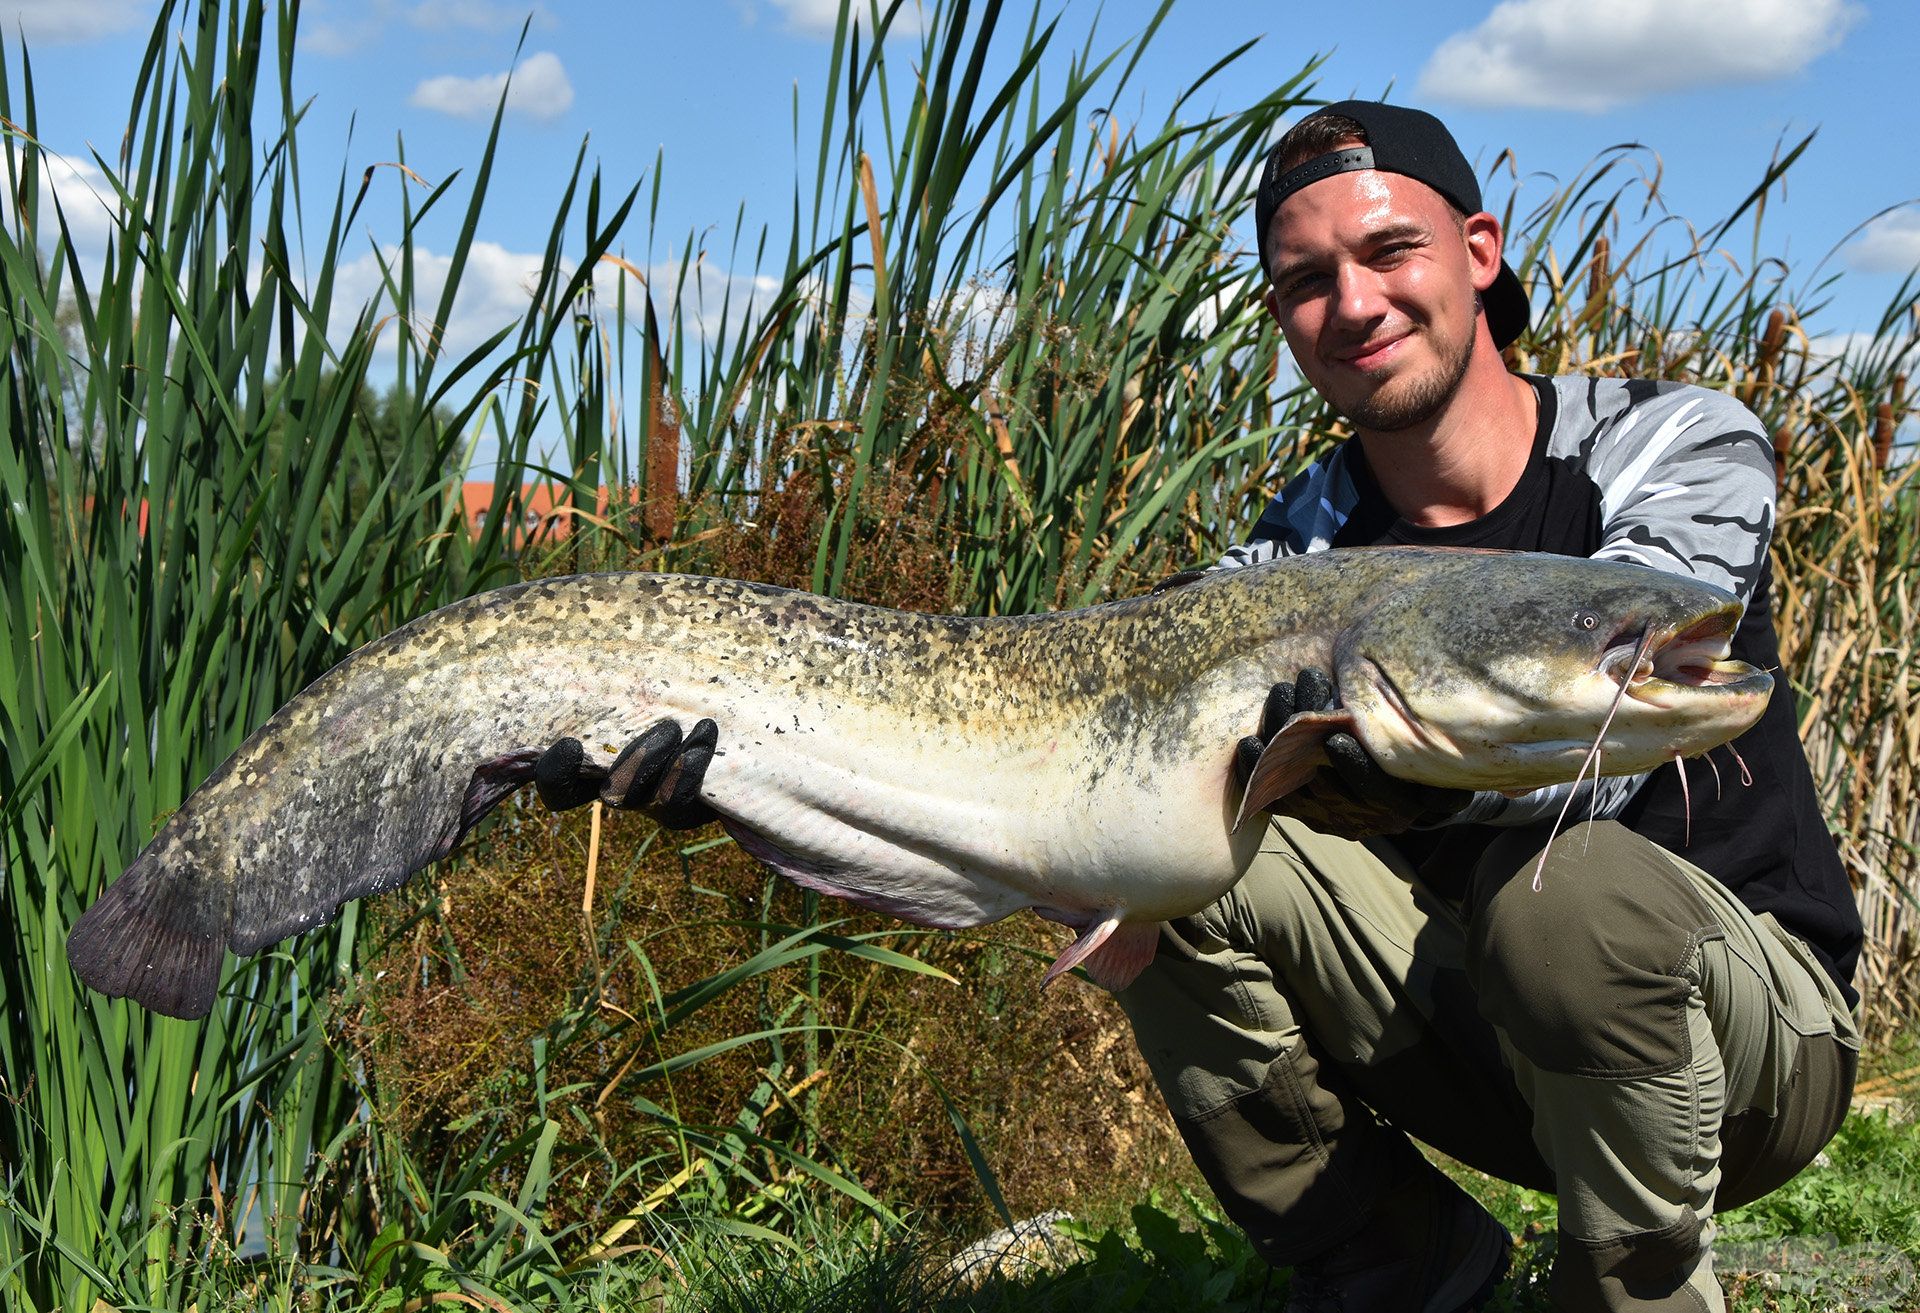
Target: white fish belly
<point>958,828</point>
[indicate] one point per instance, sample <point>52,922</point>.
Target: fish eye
<point>1585,619</point>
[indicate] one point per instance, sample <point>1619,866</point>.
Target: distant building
<point>547,510</point>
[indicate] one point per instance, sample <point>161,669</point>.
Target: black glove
<point>659,773</point>
<point>1352,797</point>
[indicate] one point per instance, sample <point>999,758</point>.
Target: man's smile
<point>1372,354</point>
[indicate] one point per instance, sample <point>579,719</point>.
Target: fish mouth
<point>1674,660</point>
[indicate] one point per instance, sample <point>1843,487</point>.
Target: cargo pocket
<point>1814,1004</point>
<point>1762,1153</point>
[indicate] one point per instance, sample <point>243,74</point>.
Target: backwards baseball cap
<point>1417,145</point>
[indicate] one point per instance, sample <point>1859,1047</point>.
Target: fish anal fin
<point>950,903</point>
<point>1290,759</point>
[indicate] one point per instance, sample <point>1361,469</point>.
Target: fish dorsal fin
<point>1290,759</point>
<point>1113,951</point>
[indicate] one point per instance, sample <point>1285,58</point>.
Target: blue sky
<point>1712,86</point>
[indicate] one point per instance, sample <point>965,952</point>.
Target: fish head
<point>1505,675</point>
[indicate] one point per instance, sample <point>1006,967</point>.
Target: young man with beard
<point>1650,1036</point>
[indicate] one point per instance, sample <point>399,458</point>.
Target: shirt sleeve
<point>1302,517</point>
<point>1687,485</point>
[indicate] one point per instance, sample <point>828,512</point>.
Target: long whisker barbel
<point>1593,754</point>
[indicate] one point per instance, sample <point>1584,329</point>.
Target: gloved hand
<point>1352,796</point>
<point>659,773</point>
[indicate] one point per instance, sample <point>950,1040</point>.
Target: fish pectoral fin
<point>1113,952</point>
<point>1290,759</point>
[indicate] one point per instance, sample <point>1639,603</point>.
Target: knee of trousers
<point>1592,973</point>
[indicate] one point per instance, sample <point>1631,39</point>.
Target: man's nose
<point>1358,295</point>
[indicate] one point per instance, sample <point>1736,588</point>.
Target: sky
<point>705,94</point>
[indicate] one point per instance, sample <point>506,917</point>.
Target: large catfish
<point>945,770</point>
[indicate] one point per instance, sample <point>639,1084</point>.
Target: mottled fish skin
<point>949,770</point>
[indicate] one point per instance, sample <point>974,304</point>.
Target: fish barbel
<point>945,770</point>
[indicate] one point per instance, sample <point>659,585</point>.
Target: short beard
<point>1379,414</point>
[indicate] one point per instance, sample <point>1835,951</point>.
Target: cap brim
<point>1508,310</point>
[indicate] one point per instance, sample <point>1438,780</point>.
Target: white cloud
<point>335,39</point>
<point>344,27</point>
<point>1889,244</point>
<point>700,298</point>
<point>495,290</point>
<point>72,20</point>
<point>477,15</point>
<point>539,89</point>
<point>814,17</point>
<point>88,202</point>
<point>1829,348</point>
<point>497,285</point>
<point>1576,54</point>
<point>820,17</point>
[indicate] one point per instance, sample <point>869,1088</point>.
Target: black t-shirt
<point>1664,474</point>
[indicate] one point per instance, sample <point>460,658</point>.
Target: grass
<point>1845,1234</point>
<point>1008,363</point>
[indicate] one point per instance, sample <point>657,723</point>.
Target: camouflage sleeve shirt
<point>1674,477</point>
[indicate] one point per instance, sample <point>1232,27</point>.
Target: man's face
<point>1375,282</point>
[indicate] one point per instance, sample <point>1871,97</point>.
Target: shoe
<point>1429,1247</point>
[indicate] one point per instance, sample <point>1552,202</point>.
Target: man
<point>1640,1037</point>
<point>1644,1038</point>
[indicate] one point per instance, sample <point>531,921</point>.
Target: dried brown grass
<point>1062,1104</point>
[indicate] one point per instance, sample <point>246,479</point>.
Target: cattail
<point>661,508</point>
<point>1770,343</point>
<point>1765,357</point>
<point>1886,418</point>
<point>1782,448</point>
<point>1597,269</point>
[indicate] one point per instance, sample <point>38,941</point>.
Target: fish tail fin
<point>1114,952</point>
<point>159,933</point>
<point>155,937</point>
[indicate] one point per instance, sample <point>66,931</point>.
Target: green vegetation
<point>1010,364</point>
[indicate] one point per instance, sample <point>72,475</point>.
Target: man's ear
<point>1485,243</point>
<point>1271,300</point>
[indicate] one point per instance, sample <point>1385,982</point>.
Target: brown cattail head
<point>1782,449</point>
<point>1771,341</point>
<point>1765,357</point>
<point>1882,434</point>
<point>1597,272</point>
<point>661,508</point>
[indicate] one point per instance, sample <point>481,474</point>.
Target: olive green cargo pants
<point>1629,1037</point>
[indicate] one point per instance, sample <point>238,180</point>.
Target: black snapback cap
<point>1416,145</point>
